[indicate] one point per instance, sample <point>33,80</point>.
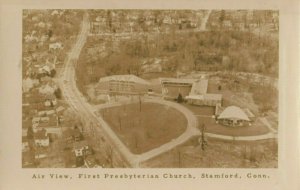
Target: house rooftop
<point>233,112</point>
<point>80,144</point>
<point>41,134</point>
<point>199,87</point>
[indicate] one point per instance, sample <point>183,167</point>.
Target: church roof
<point>233,112</point>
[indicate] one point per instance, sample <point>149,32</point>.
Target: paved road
<point>204,22</point>
<point>78,102</point>
<point>270,135</point>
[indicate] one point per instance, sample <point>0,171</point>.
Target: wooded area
<point>184,52</point>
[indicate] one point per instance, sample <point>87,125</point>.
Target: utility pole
<point>140,102</point>
<point>179,158</point>
<point>120,122</point>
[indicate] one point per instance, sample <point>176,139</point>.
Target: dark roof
<point>50,96</point>
<point>41,134</point>
<point>80,144</point>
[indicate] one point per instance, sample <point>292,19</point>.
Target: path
<point>243,138</point>
<point>204,22</point>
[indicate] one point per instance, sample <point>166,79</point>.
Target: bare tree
<point>140,102</point>
<point>203,141</point>
<point>109,156</point>
<point>179,158</point>
<point>136,140</point>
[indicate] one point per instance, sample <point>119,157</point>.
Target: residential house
<point>47,89</point>
<point>54,12</point>
<point>227,23</point>
<point>41,138</point>
<point>40,153</point>
<point>36,120</point>
<point>59,109</point>
<point>28,84</point>
<point>56,45</point>
<point>167,20</point>
<point>25,144</point>
<point>81,148</point>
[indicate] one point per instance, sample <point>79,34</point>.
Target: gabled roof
<point>177,80</point>
<point>233,112</point>
<point>199,87</point>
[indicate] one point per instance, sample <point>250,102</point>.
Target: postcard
<point>142,94</point>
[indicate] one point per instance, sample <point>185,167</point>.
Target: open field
<point>218,154</point>
<point>146,127</point>
<point>200,110</point>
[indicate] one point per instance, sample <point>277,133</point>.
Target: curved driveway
<point>190,131</point>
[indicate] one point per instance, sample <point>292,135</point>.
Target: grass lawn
<point>200,110</point>
<point>144,130</point>
<point>213,127</point>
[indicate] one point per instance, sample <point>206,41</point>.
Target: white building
<point>233,116</point>
<point>56,45</point>
<point>47,89</point>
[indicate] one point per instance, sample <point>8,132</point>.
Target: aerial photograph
<point>150,88</point>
